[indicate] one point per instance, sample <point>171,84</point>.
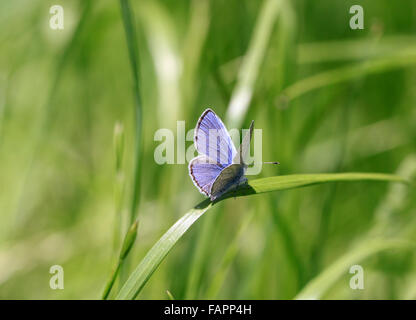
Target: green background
<point>328,99</point>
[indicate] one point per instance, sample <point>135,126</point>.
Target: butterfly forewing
<point>212,139</point>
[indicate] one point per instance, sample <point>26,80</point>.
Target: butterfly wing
<point>233,175</point>
<point>230,177</point>
<point>212,139</point>
<point>204,173</point>
<point>220,167</point>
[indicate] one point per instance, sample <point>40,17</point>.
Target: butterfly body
<point>220,167</point>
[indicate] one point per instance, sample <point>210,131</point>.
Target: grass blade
<point>353,50</point>
<point>159,251</point>
<point>384,221</point>
<point>125,249</point>
<point>403,59</point>
<point>128,21</point>
<point>302,180</point>
<point>155,256</point>
<point>319,285</point>
<point>119,184</point>
<point>129,29</point>
<point>243,91</point>
<point>224,267</point>
<point>199,257</point>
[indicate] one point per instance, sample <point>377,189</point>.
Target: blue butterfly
<point>219,167</point>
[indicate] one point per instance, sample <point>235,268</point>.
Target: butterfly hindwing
<point>204,172</point>
<point>229,177</point>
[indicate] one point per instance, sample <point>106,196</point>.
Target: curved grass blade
<point>170,296</point>
<point>403,59</point>
<point>221,273</point>
<point>125,249</point>
<point>241,96</point>
<point>129,28</point>
<point>319,285</point>
<point>353,50</point>
<point>132,47</point>
<point>199,257</point>
<point>159,251</point>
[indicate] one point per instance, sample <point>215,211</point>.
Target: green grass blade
<point>384,220</point>
<point>353,49</point>
<point>125,249</point>
<point>199,257</point>
<point>302,180</point>
<point>248,73</point>
<point>119,183</point>
<point>131,40</point>
<point>159,251</point>
<point>170,296</point>
<point>319,285</point>
<point>403,59</point>
<point>129,28</point>
<point>223,270</point>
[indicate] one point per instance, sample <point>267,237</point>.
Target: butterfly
<point>219,167</point>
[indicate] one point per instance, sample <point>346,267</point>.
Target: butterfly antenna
<point>274,162</point>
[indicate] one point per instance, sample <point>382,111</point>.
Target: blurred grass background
<point>328,99</point>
